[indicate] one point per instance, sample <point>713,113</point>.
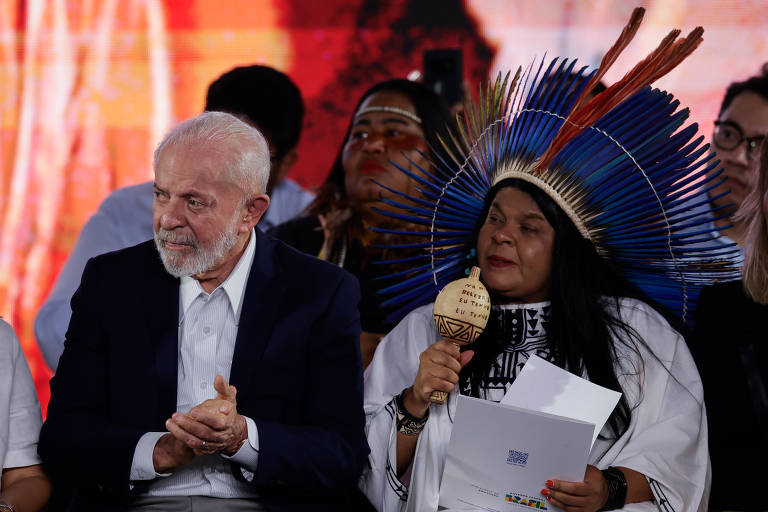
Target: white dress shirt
<point>207,332</point>
<point>20,418</point>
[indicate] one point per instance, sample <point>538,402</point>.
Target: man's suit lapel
<point>162,310</point>
<point>263,295</point>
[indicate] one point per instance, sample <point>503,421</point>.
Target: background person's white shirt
<point>20,418</point>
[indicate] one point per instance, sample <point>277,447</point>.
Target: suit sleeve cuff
<point>143,467</point>
<point>248,454</point>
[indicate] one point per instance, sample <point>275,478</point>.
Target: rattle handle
<point>439,397</point>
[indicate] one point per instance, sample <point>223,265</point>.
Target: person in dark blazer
<point>215,368</point>
<point>729,345</point>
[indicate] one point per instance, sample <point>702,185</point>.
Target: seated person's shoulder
<point>302,233</point>
<point>8,343</point>
<point>638,310</point>
<point>291,189</point>
<point>649,324</point>
<point>726,312</point>
<point>307,268</point>
<point>722,294</point>
<point>312,274</point>
<point>128,262</point>
<point>133,196</point>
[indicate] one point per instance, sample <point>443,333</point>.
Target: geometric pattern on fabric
<point>524,328</point>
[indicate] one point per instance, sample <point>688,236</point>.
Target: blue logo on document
<point>517,458</point>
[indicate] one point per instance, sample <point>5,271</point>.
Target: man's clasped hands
<point>211,427</point>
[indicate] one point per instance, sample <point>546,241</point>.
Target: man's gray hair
<point>244,150</point>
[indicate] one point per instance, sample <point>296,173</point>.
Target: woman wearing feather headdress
<point>575,211</point>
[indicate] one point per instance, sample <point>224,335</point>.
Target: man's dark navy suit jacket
<point>296,367</point>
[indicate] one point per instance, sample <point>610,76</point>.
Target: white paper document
<point>542,386</point>
<point>500,456</point>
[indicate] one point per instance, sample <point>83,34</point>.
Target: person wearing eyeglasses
<point>731,320</point>
<point>728,345</point>
<point>740,128</point>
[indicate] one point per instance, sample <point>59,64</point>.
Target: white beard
<point>203,258</point>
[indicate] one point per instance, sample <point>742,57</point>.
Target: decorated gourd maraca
<point>461,313</point>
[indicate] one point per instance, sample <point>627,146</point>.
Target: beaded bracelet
<point>6,507</point>
<point>407,423</point>
<point>617,488</point>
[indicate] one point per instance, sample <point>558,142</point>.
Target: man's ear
<point>257,207</point>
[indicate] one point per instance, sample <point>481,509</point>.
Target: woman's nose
<point>500,236</point>
<point>375,143</point>
<point>738,155</point>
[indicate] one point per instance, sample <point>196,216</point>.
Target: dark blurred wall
<point>342,47</point>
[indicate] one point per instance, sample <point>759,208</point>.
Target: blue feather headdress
<point>621,165</point>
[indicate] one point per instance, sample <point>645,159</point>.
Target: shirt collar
<point>233,285</point>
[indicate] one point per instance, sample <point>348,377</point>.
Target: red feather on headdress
<point>670,52</point>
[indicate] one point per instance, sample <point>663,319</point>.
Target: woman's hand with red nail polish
<point>587,496</point>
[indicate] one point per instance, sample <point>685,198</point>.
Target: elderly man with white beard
<point>214,368</point>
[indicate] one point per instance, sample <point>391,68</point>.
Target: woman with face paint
<point>392,130</point>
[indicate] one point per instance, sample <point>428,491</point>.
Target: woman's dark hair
<point>757,84</point>
<point>584,291</point>
<point>436,119</point>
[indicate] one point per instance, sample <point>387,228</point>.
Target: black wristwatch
<point>617,488</point>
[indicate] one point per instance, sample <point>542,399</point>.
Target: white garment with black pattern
<point>666,439</point>
<point>525,334</point>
